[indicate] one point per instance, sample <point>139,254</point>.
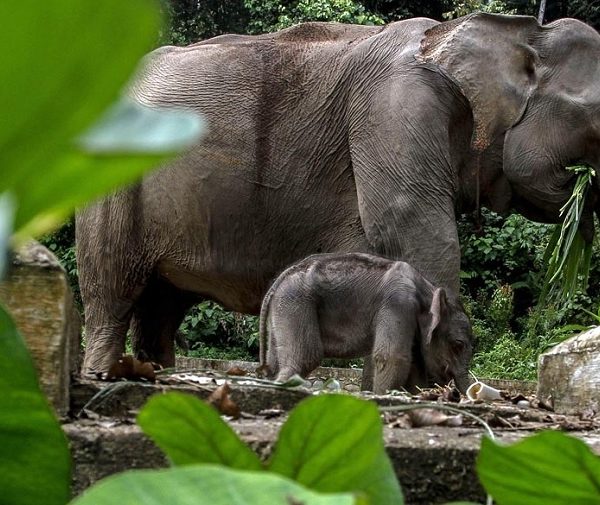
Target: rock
<point>569,374</point>
<point>38,295</point>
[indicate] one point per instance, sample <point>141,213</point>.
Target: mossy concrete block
<point>39,298</point>
<point>569,374</point>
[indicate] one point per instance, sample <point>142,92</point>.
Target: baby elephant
<point>353,305</point>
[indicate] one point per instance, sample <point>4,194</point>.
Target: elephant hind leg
<point>295,344</point>
<point>104,339</point>
<point>157,315</point>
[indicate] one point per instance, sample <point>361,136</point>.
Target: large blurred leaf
<point>129,127</point>
<point>205,484</point>
<point>322,453</point>
<point>34,457</point>
<point>128,141</point>
<point>189,431</point>
<point>63,63</point>
<point>549,468</point>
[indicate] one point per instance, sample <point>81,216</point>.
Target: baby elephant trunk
<point>463,381</point>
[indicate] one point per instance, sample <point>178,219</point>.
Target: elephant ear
<point>492,62</point>
<point>432,321</point>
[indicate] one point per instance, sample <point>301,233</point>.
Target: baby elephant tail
<point>262,329</point>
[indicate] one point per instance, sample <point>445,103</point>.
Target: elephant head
<point>446,340</point>
<point>535,96</point>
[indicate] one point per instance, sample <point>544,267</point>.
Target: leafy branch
<point>568,255</point>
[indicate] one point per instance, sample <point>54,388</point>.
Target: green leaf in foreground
<point>139,138</point>
<point>334,443</point>
<point>189,432</point>
<point>64,62</point>
<point>549,468</point>
<point>34,457</point>
<point>205,484</point>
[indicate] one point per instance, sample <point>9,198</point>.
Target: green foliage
<point>549,468</point>
<point>213,332</point>
<point>194,21</point>
<point>505,251</point>
<point>190,431</point>
<point>313,449</point>
<point>34,458</point>
<point>507,358</point>
<point>504,267</point>
<point>269,16</point>
<point>464,7</point>
<point>205,484</point>
<point>568,255</point>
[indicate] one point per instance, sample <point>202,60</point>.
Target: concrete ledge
<point>434,464</point>
<point>431,466</point>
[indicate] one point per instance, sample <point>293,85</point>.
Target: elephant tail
<point>262,327</point>
<point>264,315</point>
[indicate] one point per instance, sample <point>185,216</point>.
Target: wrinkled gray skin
<point>354,305</point>
<point>335,138</point>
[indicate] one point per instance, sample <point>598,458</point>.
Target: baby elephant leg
<point>295,345</point>
<point>392,352</point>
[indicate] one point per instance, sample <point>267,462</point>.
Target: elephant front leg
<point>405,174</point>
<point>392,350</point>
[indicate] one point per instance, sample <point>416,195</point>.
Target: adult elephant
<point>329,137</point>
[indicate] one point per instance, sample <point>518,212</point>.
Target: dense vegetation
<point>502,263</point>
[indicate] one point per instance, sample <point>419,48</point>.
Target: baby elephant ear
<point>436,316</point>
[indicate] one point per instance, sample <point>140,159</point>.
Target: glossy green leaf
<point>190,431</point>
<point>334,443</point>
<point>63,63</point>
<point>549,468</point>
<point>78,178</point>
<point>34,457</point>
<point>205,484</point>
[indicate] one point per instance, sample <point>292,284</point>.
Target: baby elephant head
<point>446,340</point>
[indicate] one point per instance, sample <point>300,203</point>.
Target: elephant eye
<point>458,345</point>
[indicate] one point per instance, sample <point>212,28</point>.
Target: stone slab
<point>38,295</point>
<point>433,464</point>
<point>569,374</point>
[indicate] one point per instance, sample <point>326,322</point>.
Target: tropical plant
<point>270,15</point>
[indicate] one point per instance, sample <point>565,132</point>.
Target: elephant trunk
<point>463,381</point>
